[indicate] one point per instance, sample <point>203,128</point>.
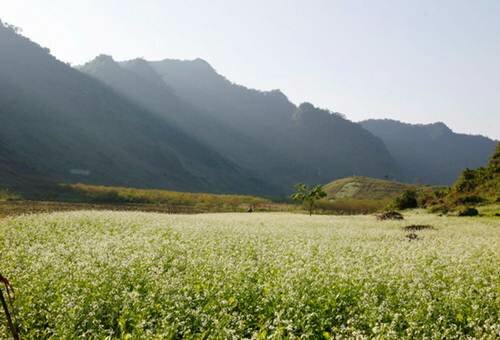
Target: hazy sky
<point>418,61</point>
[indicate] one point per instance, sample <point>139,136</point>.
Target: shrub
<point>390,215</point>
<point>470,199</point>
<point>439,208</point>
<point>467,181</point>
<point>468,211</point>
<point>407,200</point>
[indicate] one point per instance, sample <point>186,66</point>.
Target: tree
<point>407,200</point>
<point>308,195</point>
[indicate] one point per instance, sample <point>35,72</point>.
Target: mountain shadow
<point>68,126</point>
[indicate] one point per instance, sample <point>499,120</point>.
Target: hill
<point>479,184</point>
<point>365,188</point>
<point>430,153</point>
<point>474,187</point>
<point>67,126</point>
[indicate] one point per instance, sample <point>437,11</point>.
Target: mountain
<point>365,188</point>
<point>181,125</point>
<point>431,153</point>
<point>335,147</point>
<point>258,130</point>
<point>137,80</point>
<point>251,112</point>
<point>67,126</point>
<point>13,173</point>
<point>321,143</point>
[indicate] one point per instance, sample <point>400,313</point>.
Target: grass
<point>274,275</point>
<point>351,206</point>
<point>109,194</point>
<point>362,195</point>
<point>21,207</point>
<point>490,210</point>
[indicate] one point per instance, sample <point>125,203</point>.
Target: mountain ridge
<point>266,120</point>
<point>431,153</point>
<point>67,125</point>
<point>181,125</point>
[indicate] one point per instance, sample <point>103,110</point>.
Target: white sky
<point>418,61</point>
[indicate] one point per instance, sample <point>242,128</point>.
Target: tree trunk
<point>311,208</point>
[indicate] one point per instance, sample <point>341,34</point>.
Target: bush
<point>468,211</point>
<point>407,200</point>
<point>439,209</point>
<point>390,215</point>
<point>470,199</point>
<point>467,181</point>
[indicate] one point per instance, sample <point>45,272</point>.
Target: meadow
<point>104,274</point>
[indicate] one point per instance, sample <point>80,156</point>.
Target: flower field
<point>262,275</point>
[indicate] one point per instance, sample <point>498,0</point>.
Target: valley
<point>158,198</point>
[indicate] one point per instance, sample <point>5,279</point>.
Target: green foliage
<point>469,180</point>
<point>468,211</point>
<point>363,195</point>
<point>481,179</point>
<point>490,210</point>
<point>98,275</point>
<point>308,195</point>
<point>469,199</point>
<point>407,200</point>
<point>474,187</point>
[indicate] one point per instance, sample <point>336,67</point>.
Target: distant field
<point>108,194</point>
<point>146,275</point>
<point>67,197</point>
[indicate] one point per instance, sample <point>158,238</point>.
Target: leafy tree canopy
<point>308,195</point>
